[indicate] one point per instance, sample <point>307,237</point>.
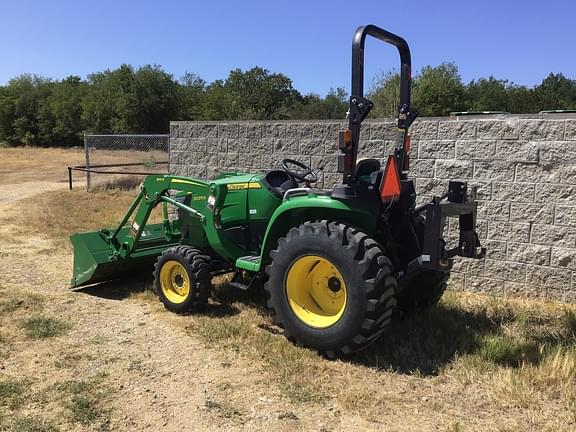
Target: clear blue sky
<point>309,40</point>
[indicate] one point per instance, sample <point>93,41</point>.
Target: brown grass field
<point>111,358</point>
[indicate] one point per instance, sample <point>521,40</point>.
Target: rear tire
<point>330,287</point>
<point>426,289</point>
<point>422,293</point>
<point>182,279</point>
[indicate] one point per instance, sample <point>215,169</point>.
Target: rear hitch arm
<point>454,203</point>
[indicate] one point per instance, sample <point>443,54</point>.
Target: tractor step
<point>248,262</point>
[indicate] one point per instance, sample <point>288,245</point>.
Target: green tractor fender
<point>297,210</point>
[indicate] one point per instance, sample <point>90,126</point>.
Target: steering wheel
<point>307,175</point>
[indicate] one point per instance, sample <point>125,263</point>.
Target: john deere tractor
<point>335,264</point>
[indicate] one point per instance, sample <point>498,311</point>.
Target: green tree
<point>25,117</point>
<point>255,94</point>
<point>385,94</point>
<point>110,105</point>
<point>312,106</point>
<point>439,90</point>
<point>555,92</point>
<point>156,96</point>
<point>521,100</point>
<point>131,101</point>
<point>436,91</point>
<point>191,93</point>
<point>217,103</point>
<point>488,94</point>
<point>65,105</point>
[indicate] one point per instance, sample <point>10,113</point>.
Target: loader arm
<point>98,254</point>
<point>153,191</point>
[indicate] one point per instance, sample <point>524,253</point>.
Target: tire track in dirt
<point>14,192</point>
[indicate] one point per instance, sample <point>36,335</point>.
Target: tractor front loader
<point>336,264</point>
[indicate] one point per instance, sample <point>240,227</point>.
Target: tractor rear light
<point>345,140</point>
<point>407,144</point>
<point>390,185</point>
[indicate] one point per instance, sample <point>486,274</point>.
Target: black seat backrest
<point>365,167</point>
<point>278,182</point>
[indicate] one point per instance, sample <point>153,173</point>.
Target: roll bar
<point>358,60</point>
<point>360,106</point>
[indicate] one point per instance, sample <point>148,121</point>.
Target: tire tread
<point>376,268</point>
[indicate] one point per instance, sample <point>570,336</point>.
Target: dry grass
<point>24,389</point>
<point>62,213</point>
<point>21,164</point>
<point>12,392</point>
<point>40,327</point>
<point>523,353</point>
<point>473,363</point>
<point>26,424</point>
<point>520,353</point>
<point>86,401</point>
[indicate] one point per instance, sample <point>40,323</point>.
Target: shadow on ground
<point>426,342</point>
<point>119,289</point>
<point>422,343</point>
<point>221,304</point>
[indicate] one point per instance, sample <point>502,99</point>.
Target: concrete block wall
<point>524,168</point>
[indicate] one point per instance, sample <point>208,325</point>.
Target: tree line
<point>438,91</point>
<point>39,111</point>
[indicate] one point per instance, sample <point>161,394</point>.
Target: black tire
<point>193,267</point>
<point>422,293</point>
<point>425,290</point>
<point>367,280</point>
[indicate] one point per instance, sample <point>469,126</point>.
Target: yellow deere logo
<point>239,186</point>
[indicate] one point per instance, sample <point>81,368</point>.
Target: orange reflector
<point>348,137</point>
<point>407,144</point>
<point>390,186</point>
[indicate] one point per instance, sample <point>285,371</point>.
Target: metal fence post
<point>87,155</point>
<point>168,147</point>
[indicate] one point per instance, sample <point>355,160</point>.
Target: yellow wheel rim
<point>316,291</point>
<point>174,281</point>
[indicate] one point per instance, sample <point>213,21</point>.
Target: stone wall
<point>524,168</point>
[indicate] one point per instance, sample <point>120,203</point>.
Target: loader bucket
<point>94,260</point>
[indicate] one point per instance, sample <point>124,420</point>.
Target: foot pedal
<point>249,262</point>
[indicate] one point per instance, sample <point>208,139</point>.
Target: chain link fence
<point>117,158</point>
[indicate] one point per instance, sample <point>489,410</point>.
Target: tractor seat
<point>278,182</point>
<point>369,171</point>
<point>365,168</point>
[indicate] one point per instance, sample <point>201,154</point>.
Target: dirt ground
<point>120,362</point>
<point>155,376</point>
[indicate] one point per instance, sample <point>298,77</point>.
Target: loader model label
<point>241,186</point>
<point>198,197</point>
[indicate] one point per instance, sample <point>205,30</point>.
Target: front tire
<point>330,287</point>
<point>182,279</point>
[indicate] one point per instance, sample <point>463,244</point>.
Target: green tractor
<point>336,264</point>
